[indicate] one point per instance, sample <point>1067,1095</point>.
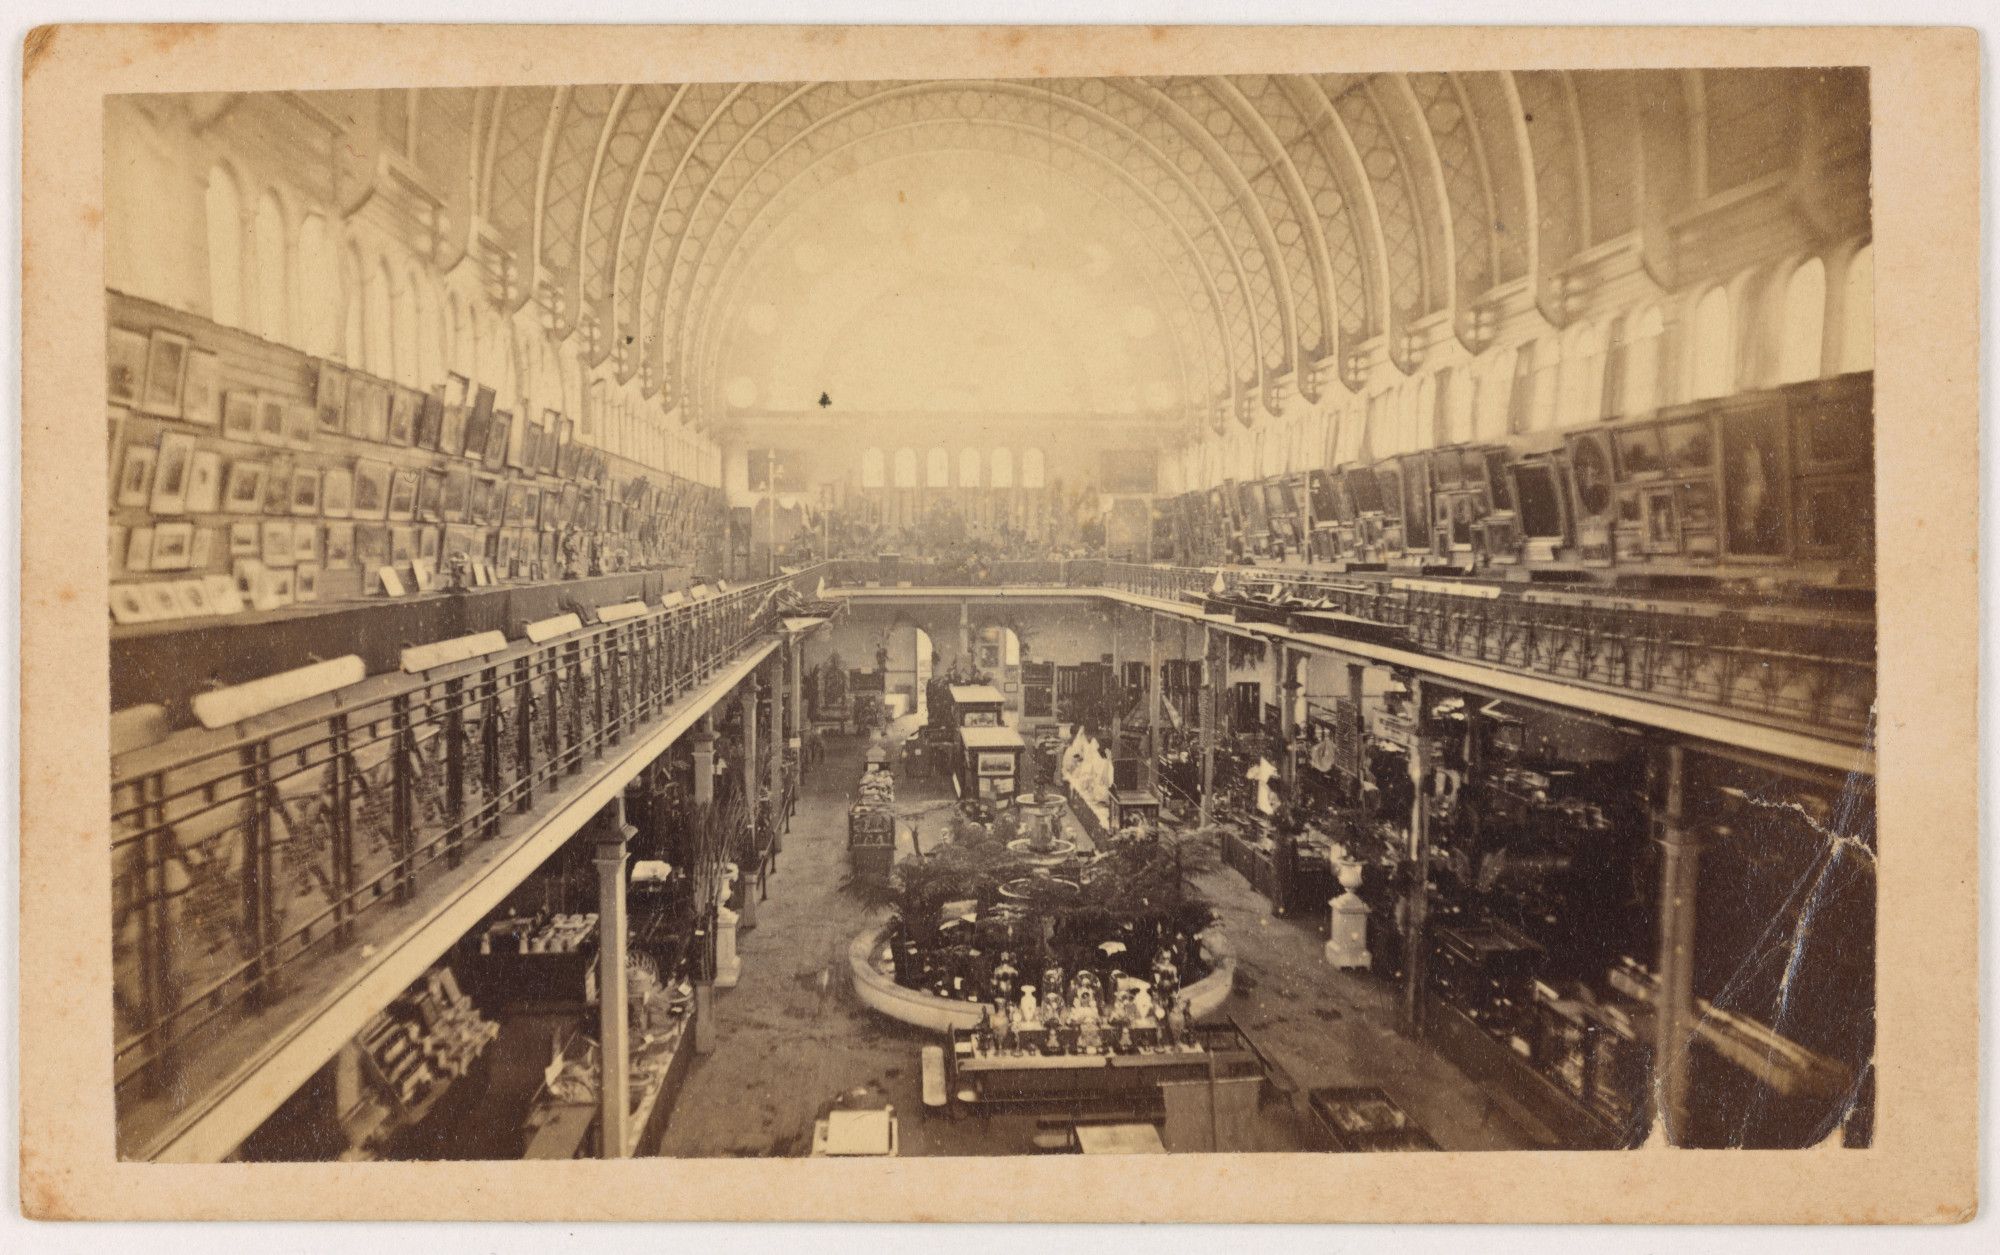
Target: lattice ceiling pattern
<point>1280,220</point>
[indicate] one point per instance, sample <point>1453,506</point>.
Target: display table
<point>857,1133</point>
<point>989,762</point>
<point>871,840</point>
<point>1135,806</point>
<point>1079,1082</point>
<point>1365,1118</point>
<point>1119,1139</point>
<point>560,1126</point>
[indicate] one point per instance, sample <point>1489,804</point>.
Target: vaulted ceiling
<point>1274,223</point>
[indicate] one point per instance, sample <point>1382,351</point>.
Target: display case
<point>989,762</point>
<point>871,840</point>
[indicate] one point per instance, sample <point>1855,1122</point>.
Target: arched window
<point>1423,415</point>
<point>316,314</point>
<point>225,248</point>
<point>1802,328</point>
<point>871,468</point>
<point>1644,331</point>
<point>273,273</point>
<point>1712,347</point>
<point>1031,468</point>
<point>351,299</point>
<point>1534,405</point>
<point>1857,312</point>
<point>1581,396</point>
<point>429,364</point>
<point>968,467</point>
<point>906,467</point>
<point>1454,405</point>
<point>937,468</point>
<point>593,413</point>
<point>1495,383</point>
<point>404,328</point>
<point>1003,467</point>
<point>378,329</point>
<point>139,256</point>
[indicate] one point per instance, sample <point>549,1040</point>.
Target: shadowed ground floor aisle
<point>791,1038</point>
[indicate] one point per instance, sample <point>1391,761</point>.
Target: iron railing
<point>1792,665</point>
<point>1789,664</point>
<point>234,864</point>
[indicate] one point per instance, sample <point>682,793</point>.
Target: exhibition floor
<point>791,1039</point>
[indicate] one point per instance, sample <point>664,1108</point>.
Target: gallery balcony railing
<point>892,571</point>
<point>1792,664</point>
<point>234,865</point>
<point>1801,666</point>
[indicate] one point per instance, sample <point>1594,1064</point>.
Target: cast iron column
<point>1153,706</point>
<point>777,740</point>
<point>1288,717</point>
<point>795,696</point>
<point>746,877</point>
<point>704,761</point>
<point>1679,874</point>
<point>1355,671</point>
<point>614,1045</point>
<point>1211,718</point>
<point>1415,944</point>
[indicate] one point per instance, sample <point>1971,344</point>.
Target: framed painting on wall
<point>457,484</point>
<point>163,599</point>
<point>339,546</point>
<point>170,480</point>
<point>243,493</point>
<point>552,424</point>
<point>299,425</point>
<point>1756,483</point>
<point>139,551</point>
<point>173,546</point>
<point>204,489</point>
<point>336,494</point>
<point>129,605</point>
<point>1591,476</point>
<point>330,397</point>
<point>451,434</point>
<point>166,370</point>
<point>430,495</point>
<point>271,421</point>
<point>371,490</point>
<point>402,496</point>
<point>305,491</point>
<point>499,438</point>
<point>135,477</point>
<point>239,415</point>
<point>201,391</point>
<point>125,366</point>
<point>430,420</point>
<point>371,545</point>
<point>277,547</point>
<point>402,416</point>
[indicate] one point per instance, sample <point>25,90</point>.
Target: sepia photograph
<point>1305,605</point>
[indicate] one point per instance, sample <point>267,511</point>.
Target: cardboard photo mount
<point>1922,1165</point>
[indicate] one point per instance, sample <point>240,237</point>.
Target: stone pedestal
<point>729,964</point>
<point>1347,935</point>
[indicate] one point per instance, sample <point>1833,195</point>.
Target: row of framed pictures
<point>163,374</point>
<point>184,546</point>
<point>278,563</point>
<point>174,477</point>
<point>1754,478</point>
